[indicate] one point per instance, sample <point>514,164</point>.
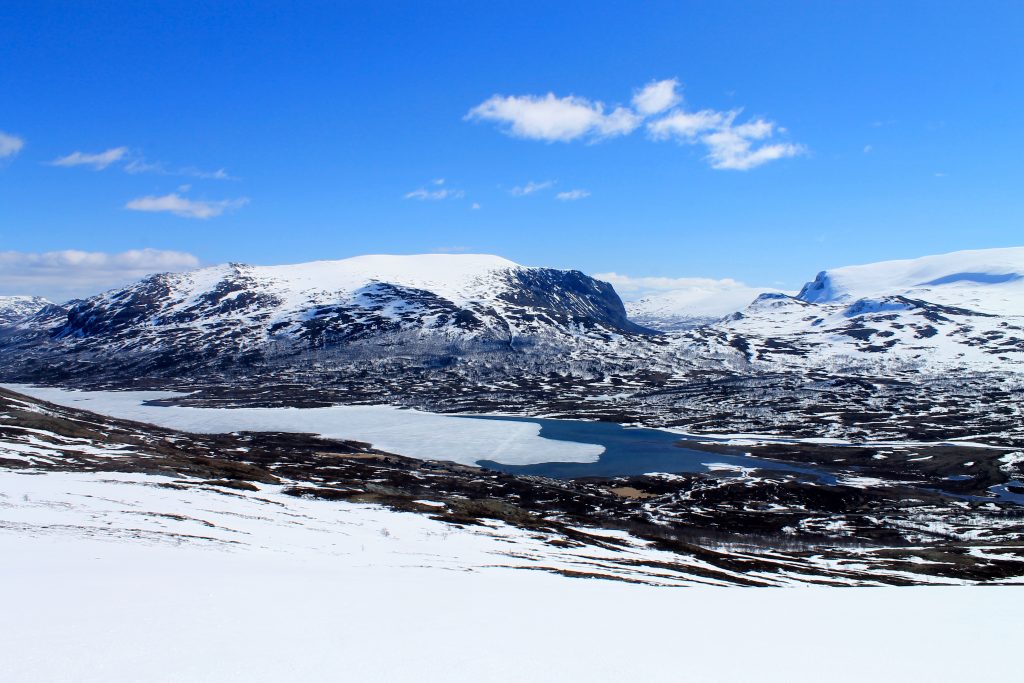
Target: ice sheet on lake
<point>427,436</point>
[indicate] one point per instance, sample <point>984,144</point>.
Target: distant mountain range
<point>16,308</point>
<point>965,308</point>
<point>961,310</point>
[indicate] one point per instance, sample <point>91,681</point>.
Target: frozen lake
<point>552,448</point>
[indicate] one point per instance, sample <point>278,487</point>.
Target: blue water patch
<point>1006,495</point>
<point>631,451</point>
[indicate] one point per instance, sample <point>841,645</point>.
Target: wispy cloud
<point>10,144</point>
<point>133,162</point>
<point>98,161</point>
<point>182,206</point>
<point>530,188</point>
<point>61,275</point>
<point>139,164</point>
<point>687,126</point>
<point>219,174</point>
<point>572,195</point>
<point>424,194</point>
<point>554,119</point>
<point>437,194</point>
<point>730,145</point>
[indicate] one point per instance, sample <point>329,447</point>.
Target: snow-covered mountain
<point>964,309</point>
<point>984,280</point>
<point>16,308</point>
<point>432,306</point>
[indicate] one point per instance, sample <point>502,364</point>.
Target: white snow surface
<point>691,306</point>
<point>985,280</point>
<point>413,433</point>
<point>460,278</point>
<point>112,578</point>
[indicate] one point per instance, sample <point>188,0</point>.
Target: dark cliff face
<point>569,296</point>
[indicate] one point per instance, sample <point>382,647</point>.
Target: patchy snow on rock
<point>15,308</point>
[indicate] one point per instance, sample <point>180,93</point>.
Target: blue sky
<point>262,133</point>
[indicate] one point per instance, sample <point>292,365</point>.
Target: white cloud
<point>572,195</point>
<point>637,287</point>
<point>10,144</point>
<point>732,147</point>
<point>563,119</point>
<point>98,161</point>
<point>555,119</point>
<point>475,206</point>
<point>184,207</point>
<point>61,275</point>
<point>530,188</point>
<point>656,97</point>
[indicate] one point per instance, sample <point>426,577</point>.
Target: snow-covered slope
<point>15,308</point>
<point>964,309</point>
<point>680,309</point>
<point>982,280</point>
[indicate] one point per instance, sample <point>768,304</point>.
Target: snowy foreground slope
<point>403,606</point>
